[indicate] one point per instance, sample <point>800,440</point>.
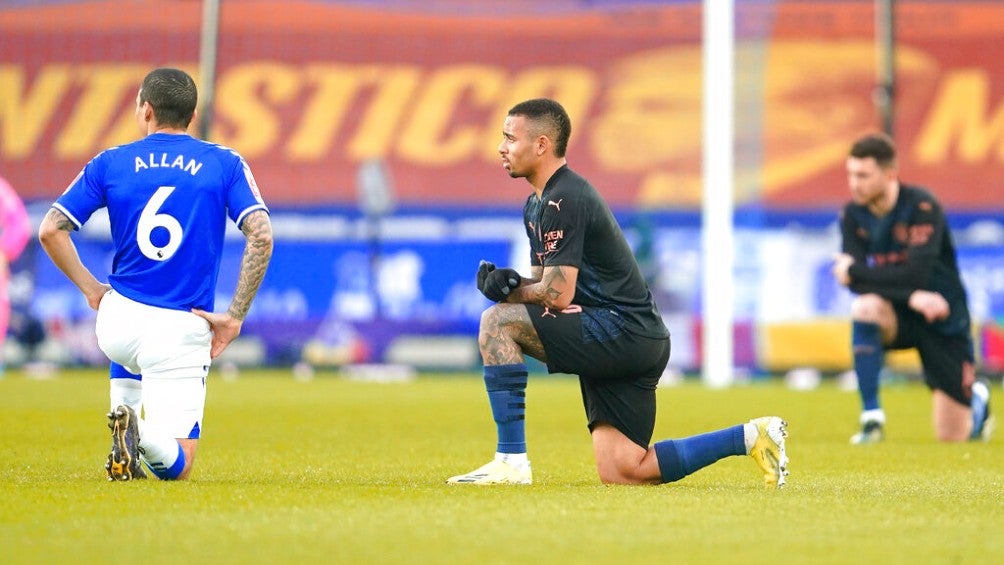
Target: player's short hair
<point>878,146</point>
<point>552,120</point>
<point>172,95</point>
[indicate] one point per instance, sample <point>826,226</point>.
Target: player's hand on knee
<point>494,283</point>
<point>841,268</point>
<point>499,283</point>
<point>931,305</point>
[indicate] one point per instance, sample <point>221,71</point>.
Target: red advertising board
<point>308,91</point>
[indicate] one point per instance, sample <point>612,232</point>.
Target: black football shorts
<point>948,360</point>
<point>618,372</point>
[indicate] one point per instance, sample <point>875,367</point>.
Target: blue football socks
<point>868,358</point>
<point>680,457</point>
<point>506,385</point>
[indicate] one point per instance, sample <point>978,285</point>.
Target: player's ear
<point>891,171</point>
<point>543,145</point>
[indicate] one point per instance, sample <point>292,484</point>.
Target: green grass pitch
<point>339,471</point>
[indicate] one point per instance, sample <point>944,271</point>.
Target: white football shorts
<point>170,349</point>
<point>174,406</point>
<point>149,340</point>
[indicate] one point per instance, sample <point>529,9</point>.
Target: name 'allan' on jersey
<point>168,198</point>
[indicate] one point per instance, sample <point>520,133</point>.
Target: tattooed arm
<point>54,235</point>
<point>552,287</point>
<point>257,253</point>
<point>257,230</point>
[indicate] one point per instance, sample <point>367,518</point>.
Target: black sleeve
<point>852,244</point>
<point>891,293</point>
<point>563,229</point>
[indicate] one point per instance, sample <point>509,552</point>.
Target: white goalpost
<point>717,246</point>
<point>208,42</point>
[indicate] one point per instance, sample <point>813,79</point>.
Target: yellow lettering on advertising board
<point>246,100</point>
<point>103,89</point>
<point>962,119</point>
<point>25,115</point>
<point>334,89</point>
<point>381,119</point>
<point>430,136</point>
<point>454,113</point>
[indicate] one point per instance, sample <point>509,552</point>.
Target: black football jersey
<point>570,224</point>
<point>908,249</point>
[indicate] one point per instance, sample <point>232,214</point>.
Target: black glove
<point>499,283</point>
<point>484,267</point>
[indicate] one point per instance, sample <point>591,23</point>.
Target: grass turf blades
<point>334,470</point>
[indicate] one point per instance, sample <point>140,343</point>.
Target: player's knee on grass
<point>621,461</point>
<point>623,472</point>
<point>952,420</point>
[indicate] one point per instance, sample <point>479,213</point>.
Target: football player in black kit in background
<point>899,259</point>
<point>586,310</point>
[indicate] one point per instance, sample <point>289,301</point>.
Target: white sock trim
<point>125,391</point>
<point>875,415</point>
<point>750,433</point>
<point>514,459</point>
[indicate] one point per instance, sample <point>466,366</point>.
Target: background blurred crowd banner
<point>310,91</point>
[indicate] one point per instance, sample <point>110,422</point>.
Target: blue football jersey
<point>168,198</point>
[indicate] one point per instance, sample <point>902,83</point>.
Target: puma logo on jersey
<point>555,204</point>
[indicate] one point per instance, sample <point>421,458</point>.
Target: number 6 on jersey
<point>150,220</point>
